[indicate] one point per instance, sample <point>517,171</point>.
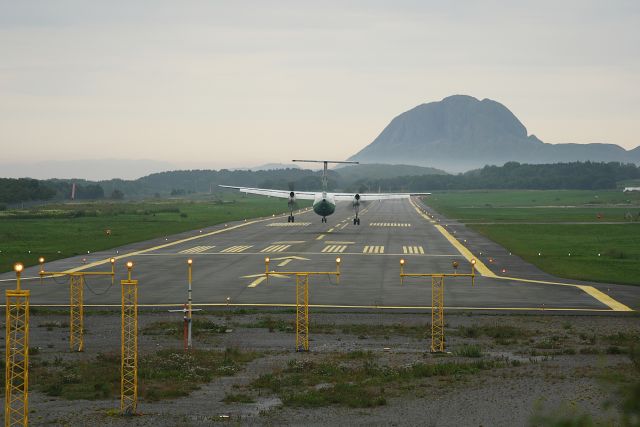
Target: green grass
<point>166,374</point>
<point>175,328</point>
<point>617,245</point>
<point>599,252</point>
<point>60,231</point>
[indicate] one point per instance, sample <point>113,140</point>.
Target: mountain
<point>461,133</point>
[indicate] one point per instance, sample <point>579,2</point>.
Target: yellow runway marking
<point>484,271</point>
<point>334,248</point>
<point>320,237</point>
<point>236,249</point>
<point>257,282</point>
<point>290,242</point>
<point>330,230</point>
<point>275,248</point>
<point>196,249</point>
<point>413,250</point>
<point>285,262</point>
<point>333,242</point>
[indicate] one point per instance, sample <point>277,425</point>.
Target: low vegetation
<point>161,375</point>
<point>355,380</point>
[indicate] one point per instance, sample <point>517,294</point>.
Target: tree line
<point>512,175</point>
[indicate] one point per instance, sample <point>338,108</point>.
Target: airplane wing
<point>376,196</point>
<point>284,194</point>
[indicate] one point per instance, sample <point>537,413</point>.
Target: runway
<point>228,267</point>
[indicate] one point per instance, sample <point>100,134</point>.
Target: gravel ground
<point>554,368</point>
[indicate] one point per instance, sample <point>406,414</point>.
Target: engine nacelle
<point>292,198</point>
<point>356,200</point>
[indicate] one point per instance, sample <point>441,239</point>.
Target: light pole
<point>189,302</point>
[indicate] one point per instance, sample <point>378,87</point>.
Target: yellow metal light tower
<point>76,300</point>
<point>129,351</point>
<point>437,300</point>
<point>190,304</point>
<point>16,388</point>
<point>302,299</point>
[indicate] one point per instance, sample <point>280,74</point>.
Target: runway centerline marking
<point>485,272</point>
<point>288,242</point>
<point>389,224</point>
<point>333,242</point>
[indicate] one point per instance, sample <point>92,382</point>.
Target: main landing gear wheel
<point>324,219</point>
<point>290,218</point>
<point>356,221</point>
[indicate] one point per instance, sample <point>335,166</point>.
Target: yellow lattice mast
<point>437,300</point>
<point>437,314</point>
<point>76,300</point>
<point>129,351</point>
<point>302,312</point>
<point>16,388</point>
<point>302,299</point>
<point>76,312</point>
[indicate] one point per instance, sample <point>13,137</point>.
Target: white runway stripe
<point>237,248</point>
<point>196,249</point>
<point>275,248</point>
<point>390,224</point>
<point>334,248</point>
<point>413,250</point>
<point>373,250</point>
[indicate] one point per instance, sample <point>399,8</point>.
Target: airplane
<point>324,203</point>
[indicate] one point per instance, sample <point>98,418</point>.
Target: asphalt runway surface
<point>228,267</point>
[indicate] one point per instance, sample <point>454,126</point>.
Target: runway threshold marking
<point>288,242</point>
<point>275,248</point>
<point>373,250</point>
<point>236,249</point>
<point>601,297</point>
<point>334,242</point>
<point>389,224</point>
<point>334,248</point>
<point>196,249</point>
<point>320,237</point>
<point>413,250</point>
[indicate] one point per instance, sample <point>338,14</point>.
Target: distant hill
<point>381,171</point>
<point>461,133</point>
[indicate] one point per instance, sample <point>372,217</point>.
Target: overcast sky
<point>212,84</point>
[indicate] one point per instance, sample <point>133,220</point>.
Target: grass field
<point>63,230</point>
<point>555,224</point>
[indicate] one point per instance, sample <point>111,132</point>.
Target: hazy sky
<point>211,84</point>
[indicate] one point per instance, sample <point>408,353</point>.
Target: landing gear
<point>356,221</point>
<point>291,218</point>
<point>324,219</point>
